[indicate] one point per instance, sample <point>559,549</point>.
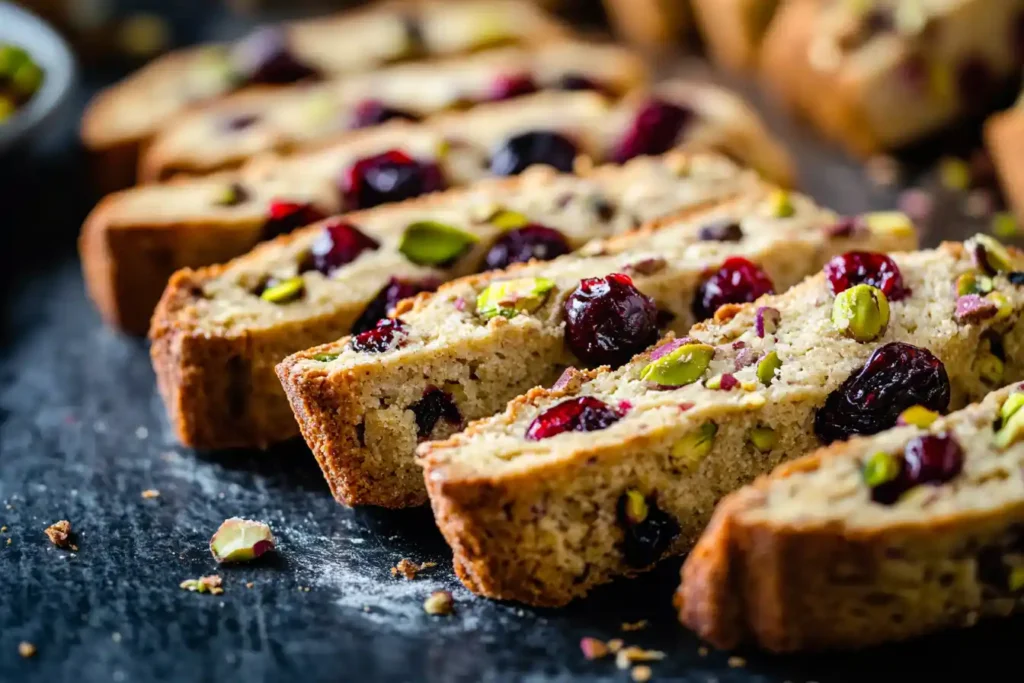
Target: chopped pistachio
<point>284,291</point>
<point>1004,225</point>
<point>781,204</point>
<point>881,468</point>
<point>861,312</point>
<point>973,282</point>
<point>205,584</point>
<point>685,365</point>
<point>763,438</point>
<point>1004,309</point>
<point>241,540</point>
<point>635,507</point>
<point>768,367</point>
<point>895,223</point>
<point>430,243</point>
<point>1011,405</point>
<point>991,368</point>
<point>508,220</point>
<point>1011,432</point>
<point>990,254</point>
<point>440,603</point>
<point>325,357</point>
<point>694,447</point>
<point>918,416</point>
<point>508,298</point>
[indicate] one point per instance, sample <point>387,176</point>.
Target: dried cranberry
<point>522,244</point>
<point>737,281</point>
<point>608,320</point>
<point>655,130</point>
<point>583,414</point>
<point>339,243</point>
<point>866,268</point>
<point>389,177</point>
<point>374,112</point>
<point>384,303</point>
<point>895,377</point>
<point>576,81</point>
<point>517,85</point>
<point>383,337</point>
<point>265,57</point>
<point>645,542</point>
<point>929,459</point>
<point>537,147</point>
<point>287,216</point>
<point>434,405</point>
<point>724,230</point>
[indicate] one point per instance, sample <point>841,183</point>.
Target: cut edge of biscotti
<point>748,580</point>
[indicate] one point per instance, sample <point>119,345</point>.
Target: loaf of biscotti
<point>123,118</point>
<point>1004,133</point>
<point>364,404</point>
<point>733,29</point>
<point>134,240</point>
<point>875,76</point>
<point>650,24</point>
<point>219,331</point>
<point>225,134</point>
<point>611,470</point>
<point>874,540</point>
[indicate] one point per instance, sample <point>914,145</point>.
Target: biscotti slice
<point>225,134</point>
<point>134,240</point>
<point>217,335</point>
<point>474,346</point>
<point>124,117</point>
<point>733,29</point>
<point>874,540</point>
<point>650,24</point>
<point>609,471</point>
<point>876,76</point>
<point>1004,133</point>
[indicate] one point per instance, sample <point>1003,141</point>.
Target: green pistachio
<point>1005,226</point>
<point>325,357</point>
<point>895,223</point>
<point>989,254</point>
<point>509,298</point>
<point>1011,432</point>
<point>27,79</point>
<point>1011,405</point>
<point>973,282</point>
<point>694,447</point>
<point>918,416</point>
<point>1016,581</point>
<point>991,368</point>
<point>284,291</point>
<point>768,367</point>
<point>241,540</point>
<point>763,438</point>
<point>1004,309</point>
<point>12,58</point>
<point>635,507</point>
<point>682,366</point>
<point>781,204</point>
<point>880,468</point>
<point>861,312</point>
<point>508,220</point>
<point>429,243</point>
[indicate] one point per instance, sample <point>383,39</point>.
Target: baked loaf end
<point>1004,132</point>
<point>544,520</point>
<point>806,559</point>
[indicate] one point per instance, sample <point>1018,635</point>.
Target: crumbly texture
<point>733,30</point>
<point>59,534</point>
<point>804,560</point>
<point>658,24</point>
<point>536,521</point>
<point>285,119</point>
<point>215,343</point>
<point>123,118</point>
<point>895,81</point>
<point>134,240</point>
<point>1004,132</point>
<point>355,410</point>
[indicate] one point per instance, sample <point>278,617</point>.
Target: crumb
<point>883,171</point>
<point>249,584</point>
<point>205,584</point>
<point>9,540</point>
<point>141,433</point>
<point>593,648</point>
<point>151,493</point>
<point>3,529</point>
<point>702,651</point>
<point>737,662</point>
<point>439,603</point>
<point>634,625</point>
<point>26,649</point>
<point>410,569</point>
<point>641,673</point>
<point>366,608</point>
<point>615,644</point>
<point>59,534</point>
<point>116,637</point>
<point>627,656</point>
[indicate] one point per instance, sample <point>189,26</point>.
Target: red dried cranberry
<point>645,542</point>
<point>434,405</point>
<point>576,81</point>
<point>389,177</point>
<point>929,459</point>
<point>537,147</point>
<point>522,244</point>
<point>738,281</point>
<point>583,414</point>
<point>374,112</point>
<point>608,320</point>
<point>866,268</point>
<point>517,85</point>
<point>265,57</point>
<point>287,216</point>
<point>895,377</point>
<point>384,303</point>
<point>724,230</point>
<point>339,243</point>
<point>655,130</point>
<point>381,338</point>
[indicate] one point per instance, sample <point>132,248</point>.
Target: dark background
<point>82,434</point>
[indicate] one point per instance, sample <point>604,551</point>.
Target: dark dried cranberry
<point>384,303</point>
<point>287,216</point>
<point>517,85</point>
<point>265,57</point>
<point>240,122</point>
<point>538,147</point>
<point>895,377</point>
<point>738,281</point>
<point>583,414</point>
<point>929,459</point>
<point>434,405</point>
<point>374,112</point>
<point>389,177</point>
<point>383,337</point>
<point>645,542</point>
<point>866,268</point>
<point>721,231</point>
<point>576,81</point>
<point>656,129</point>
<point>976,82</point>
<point>339,243</point>
<point>608,320</point>
<point>522,244</point>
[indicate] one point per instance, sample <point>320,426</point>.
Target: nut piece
<point>593,648</point>
<point>918,416</point>
<point>1004,309</point>
<point>763,439</point>
<point>635,507</point>
<point>880,468</point>
<point>284,291</point>
<point>410,569</point>
<point>973,282</point>
<point>768,367</point>
<point>325,357</point>
<point>781,204</point>
<point>509,298</point>
<point>440,603</point>
<point>766,320</point>
<point>206,584</point>
<point>861,312</point>
<point>429,243</point>
<point>991,367</point>
<point>684,365</point>
<point>59,534</point>
<point>508,220</point>
<point>1012,429</point>
<point>895,223</point>
<point>241,540</point>
<point>989,254</point>
<point>26,649</point>
<point>974,309</point>
<point>694,447</point>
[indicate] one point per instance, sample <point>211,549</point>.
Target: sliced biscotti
<point>134,240</point>
<point>893,72</point>
<point>217,334</point>
<point>227,133</point>
<point>873,540</point>
<point>609,471</point>
<point>733,29</point>
<point>124,117</point>
<point>365,402</point>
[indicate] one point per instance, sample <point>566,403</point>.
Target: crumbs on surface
<point>737,662</point>
<point>628,626</point>
<point>59,534</point>
<point>204,584</point>
<point>641,673</point>
<point>625,657</point>
<point>151,493</point>
<point>410,569</point>
<point>440,603</point>
<point>26,649</point>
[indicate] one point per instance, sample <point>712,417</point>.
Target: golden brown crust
<point>1004,133</point>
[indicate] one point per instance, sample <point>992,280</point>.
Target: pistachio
<point>974,309</point>
<point>895,223</point>
<point>508,220</point>
<point>1011,405</point>
<point>694,447</point>
<point>1016,579</point>
<point>325,357</point>
<point>285,291</point>
<point>634,507</point>
<point>881,468</point>
<point>430,243</point>
<point>684,365</point>
<point>973,282</point>
<point>508,298</point>
<point>991,368</point>
<point>766,320</point>
<point>205,584</point>
<point>918,416</point>
<point>763,438</point>
<point>1004,309</point>
<point>241,540</point>
<point>231,194</point>
<point>989,254</point>
<point>723,382</point>
<point>768,367</point>
<point>781,204</point>
<point>439,603</point>
<point>1012,430</point>
<point>861,312</point>
<point>1005,226</point>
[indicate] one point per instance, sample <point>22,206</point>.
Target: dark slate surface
<point>82,434</point>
